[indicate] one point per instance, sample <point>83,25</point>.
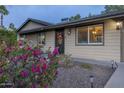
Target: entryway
<point>59,40</point>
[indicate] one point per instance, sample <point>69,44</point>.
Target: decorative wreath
<point>59,36</point>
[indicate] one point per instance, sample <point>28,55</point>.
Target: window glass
<point>90,34</point>
<point>83,35</point>
<point>95,34</point>
<point>41,38</point>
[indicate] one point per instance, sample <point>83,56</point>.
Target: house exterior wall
<point>50,40</point>
<point>33,37</point>
<point>122,42</point>
<point>109,51</point>
<point>31,25</point>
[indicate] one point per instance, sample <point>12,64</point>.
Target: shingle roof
<point>96,16</point>
<point>40,21</point>
<point>89,19</point>
<point>35,21</point>
<point>85,20</point>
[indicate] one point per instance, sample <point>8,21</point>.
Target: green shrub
<point>8,36</point>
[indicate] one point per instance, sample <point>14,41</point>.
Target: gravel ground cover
<point>77,76</point>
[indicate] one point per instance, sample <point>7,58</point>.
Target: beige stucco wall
<point>110,50</point>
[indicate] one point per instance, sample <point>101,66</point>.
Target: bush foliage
<point>28,67</point>
<point>8,36</point>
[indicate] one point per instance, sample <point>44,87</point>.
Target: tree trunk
<point>1,20</point>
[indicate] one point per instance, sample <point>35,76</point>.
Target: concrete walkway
<point>117,79</point>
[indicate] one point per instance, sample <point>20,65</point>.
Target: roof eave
<point>82,22</point>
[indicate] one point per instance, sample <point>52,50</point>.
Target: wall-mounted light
<point>69,31</point>
<point>118,25</point>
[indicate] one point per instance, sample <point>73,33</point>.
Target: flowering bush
<point>28,67</point>
<point>65,60</point>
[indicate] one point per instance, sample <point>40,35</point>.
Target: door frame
<point>63,32</point>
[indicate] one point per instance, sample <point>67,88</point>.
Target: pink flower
<point>37,52</point>
<point>8,49</point>
<point>28,48</point>
<point>42,60</point>
<point>44,67</point>
<point>24,56</point>
<point>56,51</point>
<point>50,55</point>
<point>24,73</point>
<point>33,68</point>
<point>38,68</point>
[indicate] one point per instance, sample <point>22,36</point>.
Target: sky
<point>50,13</point>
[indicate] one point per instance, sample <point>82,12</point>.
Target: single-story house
<point>99,37</point>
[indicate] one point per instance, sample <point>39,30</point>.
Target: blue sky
<point>51,13</point>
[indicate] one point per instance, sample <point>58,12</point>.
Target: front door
<point>59,40</point>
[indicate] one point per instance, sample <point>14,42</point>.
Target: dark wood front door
<point>59,40</point>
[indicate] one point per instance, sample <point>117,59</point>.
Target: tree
<point>112,8</point>
<point>72,18</point>
<point>90,15</point>
<point>76,17</point>
<point>8,36</point>
<point>12,27</point>
<point>3,11</point>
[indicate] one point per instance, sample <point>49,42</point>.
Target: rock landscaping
<point>78,75</point>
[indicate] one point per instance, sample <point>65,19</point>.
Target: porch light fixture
<point>92,81</point>
<point>69,31</point>
<point>118,25</point>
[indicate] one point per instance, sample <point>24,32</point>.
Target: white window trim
<point>89,37</point>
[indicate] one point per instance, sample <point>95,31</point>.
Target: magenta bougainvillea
<point>29,67</point>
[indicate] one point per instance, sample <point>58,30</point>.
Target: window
<point>22,37</point>
<point>83,35</point>
<point>89,35</point>
<point>41,38</point>
<point>96,33</point>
